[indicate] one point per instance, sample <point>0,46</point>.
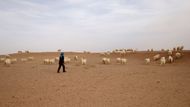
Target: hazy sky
<point>94,25</point>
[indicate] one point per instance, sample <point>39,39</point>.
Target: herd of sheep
<point>8,60</point>
<point>174,54</point>
<point>170,57</point>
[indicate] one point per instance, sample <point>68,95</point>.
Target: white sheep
<point>170,59</point>
<point>23,59</point>
<point>178,55</point>
<point>108,53</point>
<point>105,53</point>
<point>14,60</point>
<point>174,49</point>
<point>30,58</point>
<point>51,61</point>
<point>83,61</point>
<point>180,48</point>
<point>162,61</point>
<point>2,59</point>
<point>118,60</point>
<point>19,52</point>
<point>59,50</point>
<point>8,62</point>
<point>123,52</point>
<point>46,61</point>
<point>27,51</point>
<point>56,58</point>
<point>102,54</point>
<point>129,52</point>
<point>170,52</point>
<point>114,51</point>
<point>76,58</point>
<point>86,52</point>
<point>67,60</point>
<point>123,61</point>
<point>156,57</point>
<point>147,60</point>
<point>7,56</point>
<point>162,50</point>
<point>106,60</point>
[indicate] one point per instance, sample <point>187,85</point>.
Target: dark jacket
<point>61,58</point>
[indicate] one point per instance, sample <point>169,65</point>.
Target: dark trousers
<point>60,67</point>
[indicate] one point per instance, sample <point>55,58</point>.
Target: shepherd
<point>61,62</point>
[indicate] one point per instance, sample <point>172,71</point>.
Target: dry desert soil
<point>135,84</point>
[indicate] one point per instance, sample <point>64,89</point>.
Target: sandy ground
<point>33,84</point>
